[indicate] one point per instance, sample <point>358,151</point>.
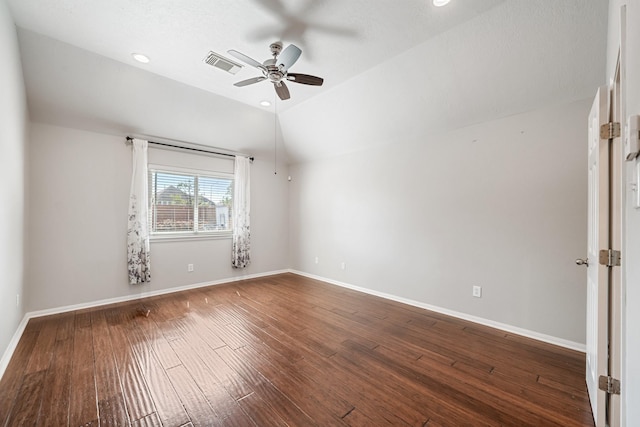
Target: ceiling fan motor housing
<point>273,73</point>
<point>275,76</point>
<point>276,48</point>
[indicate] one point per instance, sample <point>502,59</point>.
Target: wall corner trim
<point>475,319</point>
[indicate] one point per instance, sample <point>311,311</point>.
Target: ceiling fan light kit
<point>276,69</point>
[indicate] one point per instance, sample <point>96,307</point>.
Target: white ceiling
<point>339,38</point>
<point>389,66</point>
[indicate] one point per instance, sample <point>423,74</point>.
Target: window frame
<point>194,234</point>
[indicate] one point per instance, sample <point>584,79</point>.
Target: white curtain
<point>138,229</point>
<point>240,256</point>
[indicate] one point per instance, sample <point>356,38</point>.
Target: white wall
<point>631,220</point>
<point>501,204</point>
<point>78,207</point>
<point>13,142</point>
<point>74,88</point>
<point>518,56</point>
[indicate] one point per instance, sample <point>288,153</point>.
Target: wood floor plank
<point>66,326</point>
<point>170,410</point>
<point>309,397</point>
<point>43,350</point>
<point>28,400</point>
<point>432,394</point>
<point>230,412</point>
<point>243,314</point>
<point>14,374</point>
<point>232,381</point>
<point>323,386</point>
<point>158,342</point>
<point>82,319</point>
<point>540,399</point>
<point>387,388</point>
<point>284,406</point>
<point>260,411</point>
<point>476,396</point>
<point>57,386</point>
<point>568,389</point>
<point>284,350</point>
<point>112,409</point>
<point>207,331</point>
<point>151,420</point>
<point>330,374</point>
<point>196,405</point>
<point>356,418</point>
<point>263,337</point>
<point>134,387</point>
<point>83,406</point>
<point>226,333</point>
<point>226,407</point>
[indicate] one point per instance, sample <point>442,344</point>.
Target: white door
<point>617,189</point>
<point>598,238</point>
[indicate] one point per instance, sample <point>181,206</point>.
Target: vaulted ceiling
<point>393,70</point>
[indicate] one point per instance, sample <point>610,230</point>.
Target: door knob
<point>584,262</point>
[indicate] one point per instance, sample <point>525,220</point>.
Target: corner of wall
<point>14,137</point>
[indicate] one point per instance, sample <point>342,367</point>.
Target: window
<point>184,203</point>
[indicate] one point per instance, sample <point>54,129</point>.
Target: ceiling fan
<point>295,23</point>
<point>276,69</point>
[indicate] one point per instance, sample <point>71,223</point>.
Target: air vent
<point>219,61</point>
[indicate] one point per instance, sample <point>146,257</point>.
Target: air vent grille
<point>219,61</point>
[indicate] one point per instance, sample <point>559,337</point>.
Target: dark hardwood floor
<point>284,350</point>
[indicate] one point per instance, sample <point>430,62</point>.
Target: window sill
<point>183,237</point>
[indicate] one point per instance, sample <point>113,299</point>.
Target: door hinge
<point>609,384</point>
<point>610,130</point>
<point>609,257</point>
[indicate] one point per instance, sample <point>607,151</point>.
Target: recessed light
<point>141,58</point>
<point>439,3</point>
<point>265,103</point>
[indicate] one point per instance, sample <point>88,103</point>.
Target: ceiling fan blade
<point>247,60</point>
<point>334,30</point>
<point>288,57</point>
<point>305,79</point>
<point>282,90</point>
<point>250,81</point>
<point>275,6</point>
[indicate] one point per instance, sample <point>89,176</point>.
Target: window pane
<point>214,203</point>
<point>172,202</point>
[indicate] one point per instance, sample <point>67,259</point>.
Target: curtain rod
<point>129,139</point>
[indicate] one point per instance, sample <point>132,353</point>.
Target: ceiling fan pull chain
<point>275,135</point>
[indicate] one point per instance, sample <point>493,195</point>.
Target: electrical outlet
<point>343,266</point>
<point>317,260</point>
<point>477,291</point>
<point>189,268</point>
<point>18,300</point>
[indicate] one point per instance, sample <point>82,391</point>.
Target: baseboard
<point>142,295</point>
<point>475,319</point>
<point>13,344</point>
<point>6,357</point>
